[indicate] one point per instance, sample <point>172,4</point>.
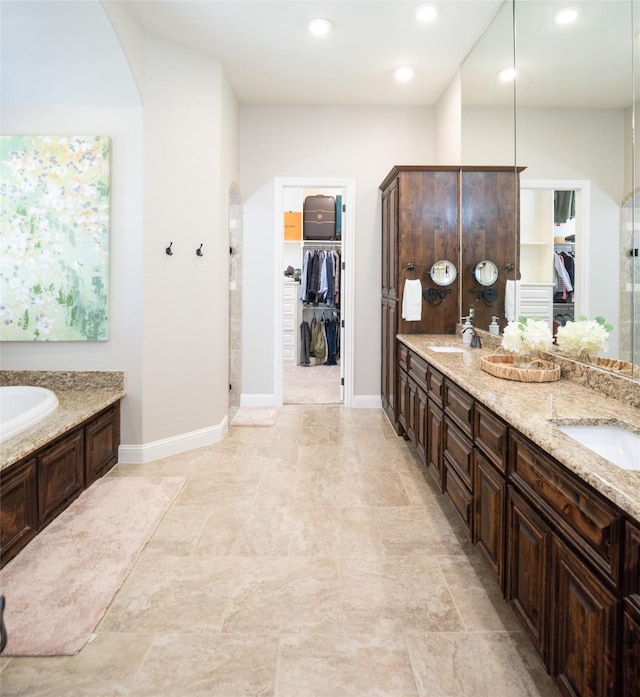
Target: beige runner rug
<point>59,586</point>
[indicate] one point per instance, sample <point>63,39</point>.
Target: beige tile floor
<point>308,559</point>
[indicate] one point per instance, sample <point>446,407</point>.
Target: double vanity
<point>558,524</point>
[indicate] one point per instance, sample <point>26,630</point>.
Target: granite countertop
<point>532,409</point>
<point>80,395</point>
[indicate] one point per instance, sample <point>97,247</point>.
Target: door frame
<point>348,285</point>
<point>582,187</point>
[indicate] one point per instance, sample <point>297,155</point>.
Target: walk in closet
<point>313,228</point>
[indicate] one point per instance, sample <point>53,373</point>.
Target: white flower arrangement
<point>585,338</point>
<point>527,335</point>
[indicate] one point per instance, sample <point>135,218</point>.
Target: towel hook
<point>199,251</point>
<point>168,250</point>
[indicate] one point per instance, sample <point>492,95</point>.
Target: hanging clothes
<point>318,346</point>
<point>564,206</point>
<point>305,343</point>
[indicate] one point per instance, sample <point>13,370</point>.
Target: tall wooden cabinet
<point>429,213</point>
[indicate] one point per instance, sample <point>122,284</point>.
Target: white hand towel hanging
<point>512,300</point>
<point>412,300</point>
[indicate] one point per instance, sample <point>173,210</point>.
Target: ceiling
<point>270,58</point>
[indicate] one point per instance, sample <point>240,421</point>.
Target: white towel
<point>412,300</point>
<point>512,300</point>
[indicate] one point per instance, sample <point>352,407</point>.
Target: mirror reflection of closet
<point>548,270</point>
<point>564,255</point>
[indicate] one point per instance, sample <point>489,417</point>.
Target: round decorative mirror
<point>485,273</point>
<point>444,272</point>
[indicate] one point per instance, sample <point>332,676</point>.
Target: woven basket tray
<point>622,367</point>
<point>504,367</point>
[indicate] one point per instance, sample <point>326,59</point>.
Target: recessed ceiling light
<point>404,73</point>
<point>568,15</point>
<point>425,13</point>
<point>507,75</point>
<point>319,26</point>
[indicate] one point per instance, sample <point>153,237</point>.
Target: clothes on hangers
<point>321,277</point>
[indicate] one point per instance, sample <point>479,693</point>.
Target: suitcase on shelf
<point>319,218</point>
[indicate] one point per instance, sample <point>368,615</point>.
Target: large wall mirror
<point>568,121</point>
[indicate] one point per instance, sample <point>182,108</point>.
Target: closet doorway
<point>301,377</point>
<point>548,239</point>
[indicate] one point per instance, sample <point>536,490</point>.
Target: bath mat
<point>60,585</point>
<point>255,416</point>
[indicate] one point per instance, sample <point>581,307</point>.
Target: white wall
<point>362,143</point>
<point>566,144</point>
<point>184,313</point>
<point>49,52</point>
<point>173,160</point>
<point>447,146</point>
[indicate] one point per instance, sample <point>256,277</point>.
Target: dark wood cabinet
<point>37,489</point>
<point>490,201</point>
<point>19,510</point>
<point>566,558</point>
<point>631,648</point>
<point>490,497</point>
<point>583,627</point>
<point>528,544</point>
<point>60,476</point>
<point>434,441</point>
<point>101,445</point>
<point>631,616</point>
<point>430,213</point>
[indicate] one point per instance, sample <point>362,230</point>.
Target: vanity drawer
<point>459,405</point>
<point>459,495</point>
<point>459,449</point>
<point>435,385</point>
<point>490,435</point>
<point>418,369</point>
<point>579,511</point>
<point>403,357</point>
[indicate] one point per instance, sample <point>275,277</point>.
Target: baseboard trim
<point>367,401</point>
<point>148,452</point>
<point>258,400</point>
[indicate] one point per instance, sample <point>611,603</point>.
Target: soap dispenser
<point>493,327</point>
<point>467,332</point>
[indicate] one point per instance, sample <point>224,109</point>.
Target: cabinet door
<point>631,647</point>
<point>403,400</point>
<point>389,361</point>
<point>421,424</point>
<point>60,476</point>
<point>527,568</point>
<point>389,239</point>
<point>102,441</point>
<point>459,495</point>
<point>583,628</point>
<point>490,495</point>
<point>19,510</point>
<point>434,441</point>
<point>490,223</point>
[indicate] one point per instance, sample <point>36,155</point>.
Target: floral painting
<point>54,238</point>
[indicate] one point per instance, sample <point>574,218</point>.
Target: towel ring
<point>412,267</point>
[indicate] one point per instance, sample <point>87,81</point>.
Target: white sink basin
<point>446,349</point>
<point>615,444</point>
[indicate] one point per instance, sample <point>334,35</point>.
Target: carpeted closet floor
<point>311,558</point>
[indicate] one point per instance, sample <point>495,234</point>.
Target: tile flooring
<point>308,559</point>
